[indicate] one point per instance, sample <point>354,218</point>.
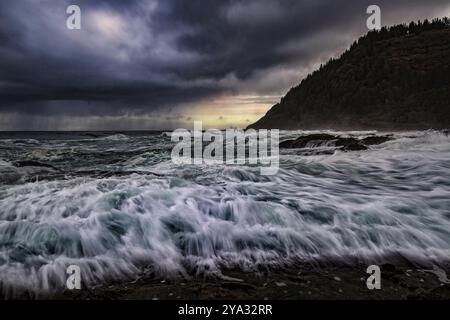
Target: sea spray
<point>389,202</point>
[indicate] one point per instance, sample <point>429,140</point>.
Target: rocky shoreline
<point>342,143</point>
<point>294,283</point>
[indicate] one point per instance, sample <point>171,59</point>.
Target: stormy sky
<point>161,64</point>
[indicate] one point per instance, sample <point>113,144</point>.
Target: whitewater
<point>115,205</point>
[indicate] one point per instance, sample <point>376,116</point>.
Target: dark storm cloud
<point>144,55</point>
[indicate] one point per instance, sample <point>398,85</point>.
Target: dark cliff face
<point>393,79</point>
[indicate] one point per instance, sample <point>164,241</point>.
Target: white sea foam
<point>117,137</point>
<point>370,206</point>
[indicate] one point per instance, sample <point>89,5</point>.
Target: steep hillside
<point>395,78</point>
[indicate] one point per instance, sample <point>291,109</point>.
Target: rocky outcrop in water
<point>31,163</point>
<point>328,140</point>
<point>374,140</point>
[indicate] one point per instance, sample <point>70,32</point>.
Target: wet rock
<point>349,286</point>
<point>237,286</point>
<point>299,142</point>
<point>375,140</point>
<point>296,279</point>
<point>350,144</point>
<point>287,144</point>
<point>324,140</point>
<point>388,268</point>
<point>304,141</point>
<point>30,163</point>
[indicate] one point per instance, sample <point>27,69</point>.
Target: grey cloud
<point>169,53</point>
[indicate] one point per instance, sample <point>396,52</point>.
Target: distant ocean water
<point>115,205</point>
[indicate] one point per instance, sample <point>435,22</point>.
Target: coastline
<point>292,283</point>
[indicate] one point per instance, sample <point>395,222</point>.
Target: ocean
<point>115,205</point>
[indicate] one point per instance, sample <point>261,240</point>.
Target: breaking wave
<point>392,201</point>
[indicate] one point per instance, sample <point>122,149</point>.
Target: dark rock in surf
<point>344,144</point>
<point>350,144</point>
<point>303,142</point>
<point>374,140</point>
<point>30,163</point>
<point>238,286</point>
<point>321,140</point>
<point>388,267</point>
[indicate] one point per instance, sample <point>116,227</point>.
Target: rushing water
<point>115,205</point>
